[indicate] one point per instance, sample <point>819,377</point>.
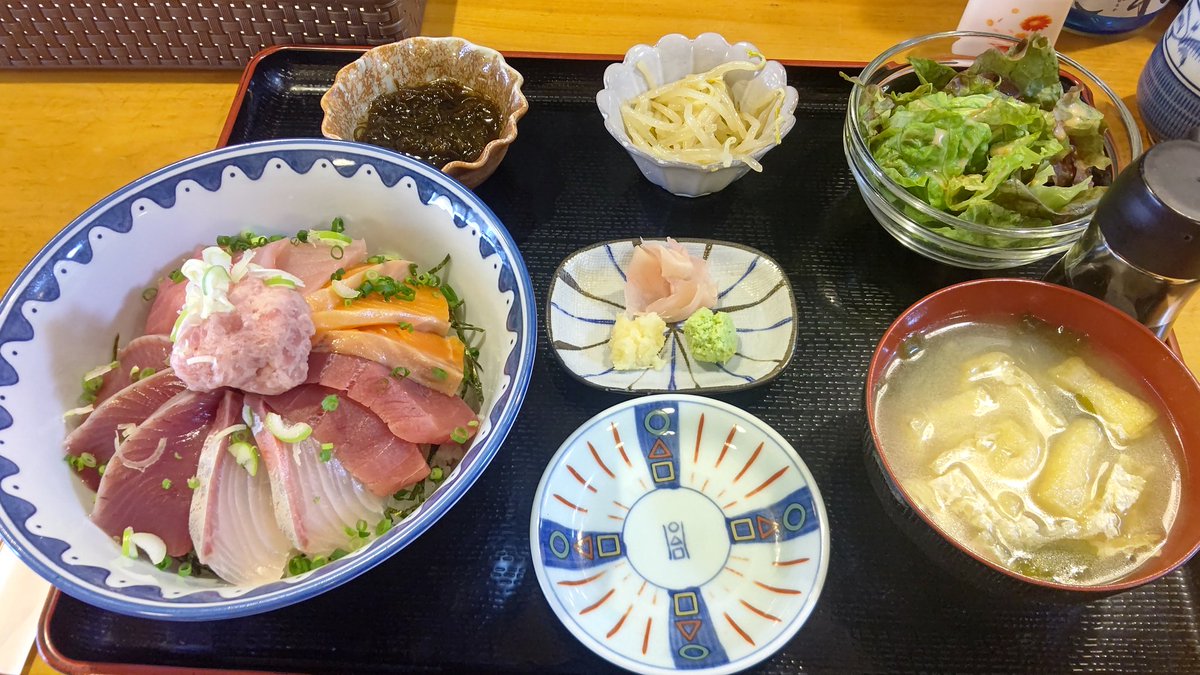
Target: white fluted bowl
<point>672,58</point>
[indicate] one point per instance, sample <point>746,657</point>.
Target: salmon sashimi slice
<point>361,441</point>
<point>314,501</point>
<point>324,297</point>
<point>116,418</point>
<point>431,360</point>
<point>145,486</point>
<point>148,354</point>
<point>428,310</point>
<point>232,519</point>
<point>411,411</point>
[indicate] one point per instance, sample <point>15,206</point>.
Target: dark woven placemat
<point>464,597</point>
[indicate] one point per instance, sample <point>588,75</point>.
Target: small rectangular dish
<point>587,292</point>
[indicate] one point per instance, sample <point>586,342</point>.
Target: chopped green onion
<point>100,469</point>
<point>185,569</point>
<point>473,423</point>
<point>149,294</point>
<point>329,403</point>
<point>380,259</point>
<point>85,460</point>
<point>400,372</point>
<point>302,236</point>
<point>338,225</point>
<point>459,435</point>
<point>152,544</point>
<point>383,526</point>
<point>326,452</point>
<point>437,474</point>
<point>166,483</point>
<point>246,456</point>
<point>177,275</point>
<point>404,325</point>
<point>280,281</point>
<point>337,253</point>
<point>338,274</point>
<point>164,563</point>
<point>127,548</point>
<point>144,373</point>
<point>298,565</point>
<point>363,529</point>
<point>338,554</point>
<point>440,373</point>
<point>344,290</point>
<point>193,482</point>
<point>288,433</point>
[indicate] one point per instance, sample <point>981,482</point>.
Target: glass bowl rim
<point>859,151</point>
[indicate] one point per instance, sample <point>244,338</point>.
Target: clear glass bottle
<point>1141,252</point>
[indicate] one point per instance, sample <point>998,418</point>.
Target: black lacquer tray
<point>464,597</point>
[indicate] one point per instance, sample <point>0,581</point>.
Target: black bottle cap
<point>1150,216</point>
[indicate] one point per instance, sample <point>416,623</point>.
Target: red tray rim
<point>252,68</point>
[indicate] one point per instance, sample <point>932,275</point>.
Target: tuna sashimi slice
<point>130,406</point>
<point>232,520</point>
<point>432,360</point>
<point>146,352</point>
<point>361,441</point>
<point>314,501</point>
<point>312,263</point>
<point>165,309</point>
<point>411,411</point>
<point>146,483</point>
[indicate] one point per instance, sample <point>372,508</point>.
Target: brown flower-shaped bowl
<point>418,60</point>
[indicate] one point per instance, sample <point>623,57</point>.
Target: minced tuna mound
<point>261,347</point>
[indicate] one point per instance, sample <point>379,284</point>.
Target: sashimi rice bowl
<point>253,375</point>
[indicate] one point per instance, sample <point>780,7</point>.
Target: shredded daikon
<point>141,465</point>
<point>74,412</point>
<point>695,120</point>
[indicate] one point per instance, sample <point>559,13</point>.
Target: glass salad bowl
<point>940,235</point>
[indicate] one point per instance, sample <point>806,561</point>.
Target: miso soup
<point>1032,449</point>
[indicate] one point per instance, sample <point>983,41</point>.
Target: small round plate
<point>676,532</point>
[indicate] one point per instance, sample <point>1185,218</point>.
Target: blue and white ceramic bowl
<point>588,291</point>
<point>1168,91</point>
<point>59,318</point>
<point>676,532</point>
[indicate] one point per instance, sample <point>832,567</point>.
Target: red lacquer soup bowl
<point>1108,331</point>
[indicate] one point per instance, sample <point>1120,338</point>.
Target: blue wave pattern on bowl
<point>587,293</point>
<point>674,532</point>
<point>1168,91</point>
<point>37,283</point>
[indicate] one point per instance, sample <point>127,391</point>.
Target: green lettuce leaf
<point>1031,68</point>
<point>1085,127</point>
<point>932,72</point>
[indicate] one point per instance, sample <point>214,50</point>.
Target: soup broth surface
<point>1031,448</point>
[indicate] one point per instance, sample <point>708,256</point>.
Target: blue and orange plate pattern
<point>588,292</point>
<point>675,532</point>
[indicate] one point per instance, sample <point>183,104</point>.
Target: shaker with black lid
<point>1141,252</point>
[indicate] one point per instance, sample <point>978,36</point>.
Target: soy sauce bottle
<point>1141,252</point>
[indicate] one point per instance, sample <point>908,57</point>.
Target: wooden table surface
<point>71,137</point>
